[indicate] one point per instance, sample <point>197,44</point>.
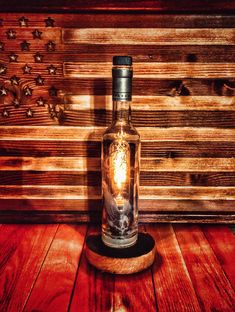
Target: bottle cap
<point>122,60</point>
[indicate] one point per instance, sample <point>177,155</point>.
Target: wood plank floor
<point>43,268</point>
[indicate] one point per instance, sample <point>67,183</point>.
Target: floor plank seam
<point>30,292</point>
<point>76,275</point>
<point>214,253</point>
<point>186,268</point>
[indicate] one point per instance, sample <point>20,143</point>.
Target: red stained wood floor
<point>43,268</point>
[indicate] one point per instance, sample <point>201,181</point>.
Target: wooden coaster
<point>121,261</point>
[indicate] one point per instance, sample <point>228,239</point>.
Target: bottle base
<point>119,242</point>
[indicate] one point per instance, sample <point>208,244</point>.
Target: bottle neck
<point>122,112</point>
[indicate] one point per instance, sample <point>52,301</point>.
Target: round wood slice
<point>121,261</point>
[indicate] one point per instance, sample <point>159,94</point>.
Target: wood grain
<point>146,87</point>
<point>144,53</point>
<point>151,102</point>
<point>169,262</point>
<point>222,241</point>
<point>92,149</point>
<point>209,280</point>
<point>157,36</point>
<point>159,70</point>
<point>93,192</point>
<point>153,178</point>
<point>93,290</point>
<point>79,164</point>
<point>22,255</point>
<point>135,300</point>
<point>44,268</point>
<point>94,133</point>
<point>154,207</point>
<point>203,118</point>
<point>86,19</point>
<point>50,177</point>
<point>58,216</point>
<point>58,271</point>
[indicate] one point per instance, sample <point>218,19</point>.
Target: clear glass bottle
<point>120,163</point>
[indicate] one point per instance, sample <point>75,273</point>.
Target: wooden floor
<point>43,268</point>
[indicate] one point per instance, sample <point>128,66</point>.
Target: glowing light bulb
<point>120,168</point>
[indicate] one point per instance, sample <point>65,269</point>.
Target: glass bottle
<point>120,163</point>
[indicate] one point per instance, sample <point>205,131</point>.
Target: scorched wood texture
<point>55,102</point>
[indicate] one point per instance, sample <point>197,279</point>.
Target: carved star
<point>53,114</point>
<point>13,57</point>
<point>27,69</point>
<point>16,102</point>
<point>14,80</point>
<point>52,70</point>
<point>29,113</point>
<point>24,45</point>
<point>3,69</point>
<point>5,113</point>
<point>39,80</point>
<point>40,101</point>
<point>28,91</point>
<point>2,46</point>
<point>49,22</point>
<point>50,46</point>
<point>37,34</point>
<point>53,91</point>
<point>3,91</point>
<point>38,57</point>
<point>23,22</point>
<point>11,34</point>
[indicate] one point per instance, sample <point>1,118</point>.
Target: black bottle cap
<point>122,60</point>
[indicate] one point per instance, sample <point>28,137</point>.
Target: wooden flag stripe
<point>79,164</point>
<point>150,206</point>
<point>157,36</point>
<point>153,103</point>
<point>159,70</point>
<point>150,20</point>
<point>94,133</point>
<point>92,192</point>
<point>101,118</point>
<point>168,149</point>
<point>153,178</point>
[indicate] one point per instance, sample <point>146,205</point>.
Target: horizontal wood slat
<point>169,149</point>
<point>94,133</point>
<point>146,87</point>
<point>152,178</point>
<point>150,20</point>
<point>159,70</point>
<point>157,36</point>
<point>146,192</point>
<point>93,149</point>
<point>155,217</point>
<point>87,206</point>
<point>79,164</point>
<point>219,119</point>
<point>154,103</point>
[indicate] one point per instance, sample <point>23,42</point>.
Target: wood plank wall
<point>55,102</point>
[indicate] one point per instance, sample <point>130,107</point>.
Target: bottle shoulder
<point>128,131</point>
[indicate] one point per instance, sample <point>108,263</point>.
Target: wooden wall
<point>55,102</point>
